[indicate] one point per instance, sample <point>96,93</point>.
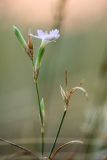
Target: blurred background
<point>81,49</point>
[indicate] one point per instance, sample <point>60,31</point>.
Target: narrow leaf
<point>38,59</point>
<point>42,108</point>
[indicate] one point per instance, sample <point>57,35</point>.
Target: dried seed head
<point>66,95</point>
<point>72,91</point>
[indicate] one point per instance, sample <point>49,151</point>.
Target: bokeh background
<point>81,49</point>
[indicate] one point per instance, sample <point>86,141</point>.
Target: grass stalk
<point>57,135</point>
<point>41,118</point>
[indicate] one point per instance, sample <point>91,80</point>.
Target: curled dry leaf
<point>81,89</point>
<point>65,145</point>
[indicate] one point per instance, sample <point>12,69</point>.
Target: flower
<point>46,37</point>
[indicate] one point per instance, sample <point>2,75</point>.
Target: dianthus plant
<point>45,38</point>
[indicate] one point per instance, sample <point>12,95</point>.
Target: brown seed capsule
<point>30,42</point>
<point>30,47</point>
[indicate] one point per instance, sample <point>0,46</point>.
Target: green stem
<point>59,129</point>
<point>43,135</point>
<point>41,117</point>
<point>40,112</point>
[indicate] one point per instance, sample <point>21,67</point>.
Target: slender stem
<point>41,117</point>
<point>19,147</point>
<point>40,113</point>
<point>43,135</point>
<point>59,129</point>
<point>37,90</point>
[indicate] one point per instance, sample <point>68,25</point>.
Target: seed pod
<point>29,50</point>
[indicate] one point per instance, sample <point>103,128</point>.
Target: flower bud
<point>20,37</point>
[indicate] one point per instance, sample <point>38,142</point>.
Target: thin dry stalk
<point>29,152</point>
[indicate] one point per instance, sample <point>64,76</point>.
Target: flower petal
<point>47,37</point>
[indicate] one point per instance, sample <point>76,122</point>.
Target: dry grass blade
<point>63,93</point>
<point>64,145</point>
<point>20,147</point>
